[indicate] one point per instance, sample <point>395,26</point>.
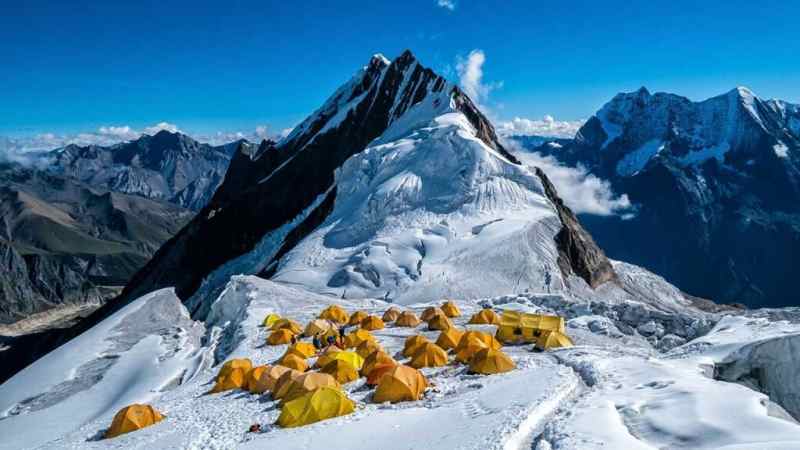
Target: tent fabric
<point>342,371</point>
<point>376,358</point>
<point>352,357</point>
<point>490,361</point>
<point>326,356</point>
<point>320,404</point>
<point>473,341</point>
<point>355,338</point>
<point>371,323</point>
<point>429,312</point>
<point>279,337</point>
<point>293,361</point>
<point>391,314</point>
<point>284,383</point>
<point>307,382</point>
<point>287,324</point>
<point>318,326</point>
<point>241,363</point>
<point>485,317</point>
<point>428,355</point>
<point>270,320</point>
<point>335,313</point>
<point>252,377</point>
<point>518,328</point>
<point>402,383</point>
<point>553,339</point>
<point>366,348</point>
<point>356,318</point>
<point>448,339</point>
<point>450,309</point>
<point>412,343</point>
<point>232,379</point>
<point>378,371</point>
<point>439,322</point>
<point>131,418</point>
<point>407,319</point>
<point>266,382</point>
<point>302,349</point>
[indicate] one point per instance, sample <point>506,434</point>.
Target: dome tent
<point>376,358</point>
<point>407,319</point>
<point>319,404</point>
<point>307,382</point>
<point>270,320</point>
<point>428,355</point>
<point>335,313</point>
<point>473,341</point>
<point>411,344</point>
<point>356,318</point>
<point>371,323</point>
<point>355,338</point>
<point>252,377</point>
<point>448,339</point>
<point>342,371</point>
<point>366,348</point>
<point>553,339</point>
<point>302,349</point>
<point>326,356</point>
<point>287,324</point>
<point>489,361</point>
<point>450,309</point>
<point>131,418</point>
<point>266,382</point>
<point>439,322</point>
<point>284,383</point>
<point>378,371</point>
<point>293,361</point>
<point>400,384</point>
<point>485,316</point>
<point>319,326</point>
<point>391,314</point>
<point>280,337</point>
<point>429,312</point>
<point>230,365</point>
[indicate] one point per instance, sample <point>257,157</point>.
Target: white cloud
<point>446,4</point>
<point>172,128</point>
<point>547,126</point>
<point>583,192</point>
<point>470,74</point>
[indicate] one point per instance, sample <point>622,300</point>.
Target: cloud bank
<point>547,126</point>
<point>470,77</point>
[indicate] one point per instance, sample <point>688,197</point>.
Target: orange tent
<point>378,371</point>
<point>471,342</point>
<point>284,383</point>
<point>429,312</point>
<point>411,344</point>
<point>293,361</point>
<point>391,314</point>
<point>371,323</point>
<point>356,318</point>
<point>366,348</point>
<point>488,361</point>
<point>355,338</point>
<point>307,382</point>
<point>448,339</point>
<point>326,356</point>
<point>233,379</point>
<point>407,319</point>
<point>373,360</point>
<point>287,324</point>
<point>341,370</point>
<point>335,313</point>
<point>232,364</point>
<point>319,326</point>
<point>485,317</point>
<point>266,382</point>
<point>439,322</point>
<point>279,337</point>
<point>132,418</point>
<point>302,349</point>
<point>252,377</point>
<point>400,384</point>
<point>450,309</point>
<point>428,355</point>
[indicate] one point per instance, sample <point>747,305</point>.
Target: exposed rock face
<point>166,166</point>
<point>716,189</point>
<point>578,253</point>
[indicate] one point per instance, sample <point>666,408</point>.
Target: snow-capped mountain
<point>716,189</point>
<point>398,192</point>
<point>165,166</point>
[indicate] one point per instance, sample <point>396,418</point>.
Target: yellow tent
<point>319,326</point>
<point>233,379</point>
<point>355,338</point>
<point>266,382</point>
<point>428,355</point>
<point>485,317</point>
<point>252,377</point>
<point>270,320</point>
<point>320,404</point>
<point>132,418</point>
<point>407,319</point>
<point>391,314</point>
<point>473,341</point>
<point>439,322</point>
<point>450,309</point>
<point>378,372</point>
<point>516,327</point>
<point>293,361</point>
<point>335,313</point>
<point>341,370</point>
<point>429,312</point>
<point>371,323</point>
<point>411,344</point>
<point>307,382</point>
<point>284,383</point>
<point>400,384</point>
<point>366,348</point>
<point>356,318</point>
<point>448,339</point>
<point>278,337</point>
<point>326,356</point>
<point>373,360</point>
<point>243,363</point>
<point>302,349</point>
<point>553,339</point>
<point>488,361</point>
<point>287,324</point>
<point>352,357</point>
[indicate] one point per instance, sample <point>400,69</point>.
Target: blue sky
<point>210,66</point>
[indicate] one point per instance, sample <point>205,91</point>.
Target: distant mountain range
<point>716,189</point>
